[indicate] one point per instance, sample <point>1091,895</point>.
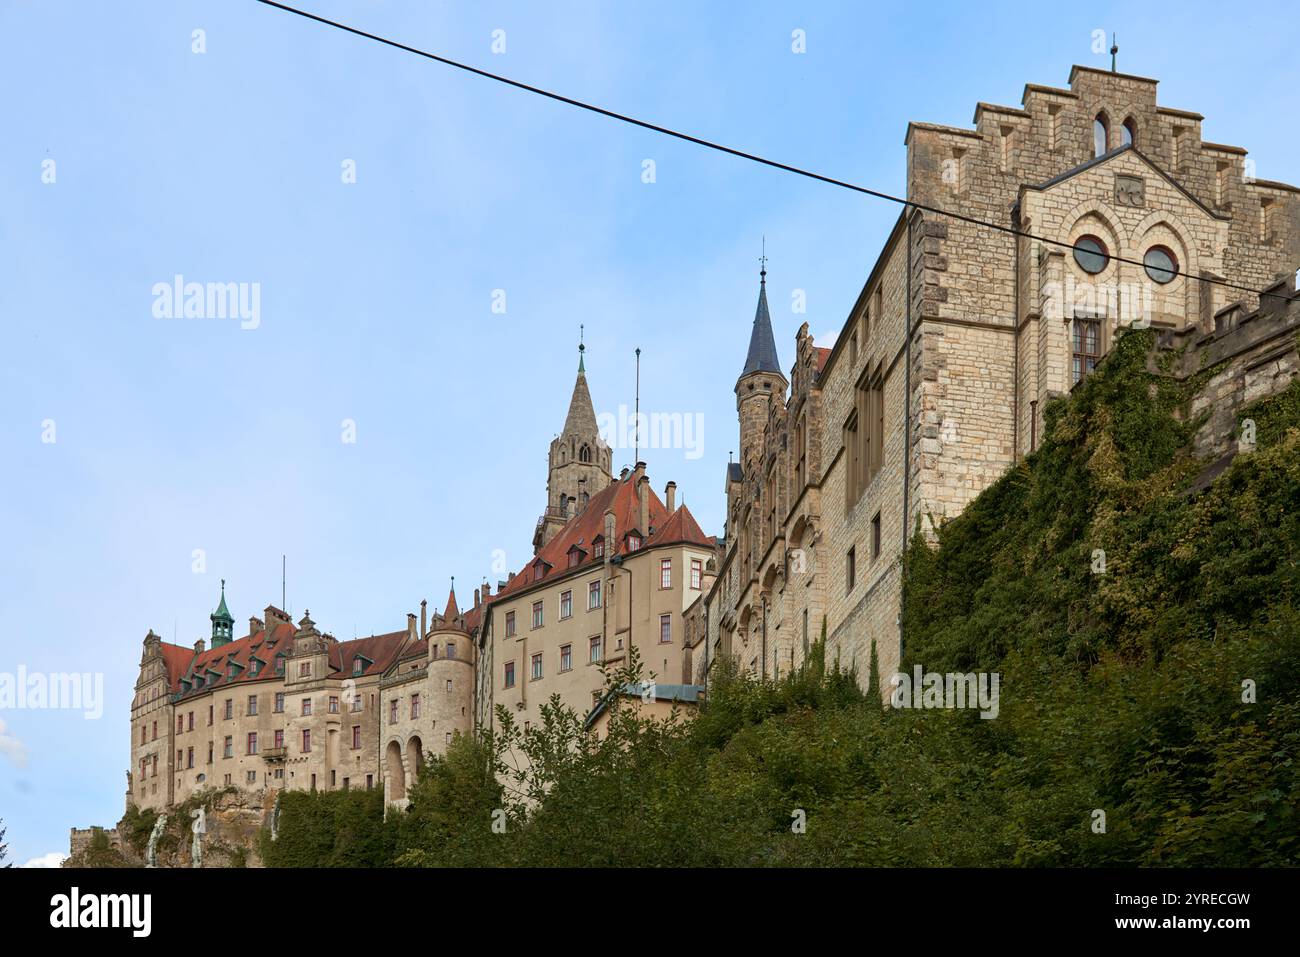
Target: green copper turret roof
<point>222,611</point>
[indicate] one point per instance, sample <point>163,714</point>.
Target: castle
<point>965,329</point>
<point>962,334</point>
<point>288,706</point>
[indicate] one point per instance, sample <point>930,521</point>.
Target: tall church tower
<point>580,462</point>
<point>759,379</point>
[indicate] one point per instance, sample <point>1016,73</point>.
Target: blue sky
<point>225,166</point>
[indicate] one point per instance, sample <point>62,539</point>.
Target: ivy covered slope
<point>1122,690</point>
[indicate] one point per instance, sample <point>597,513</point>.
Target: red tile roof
<point>620,496</point>
<point>379,651</point>
<point>822,356</point>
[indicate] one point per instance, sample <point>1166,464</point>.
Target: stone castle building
<point>938,381</point>
<point>289,707</point>
<point>960,337</point>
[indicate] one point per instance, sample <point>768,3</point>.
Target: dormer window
<point>598,546</point>
<point>357,667</point>
<point>576,555</point>
<point>540,568</point>
<point>633,541</point>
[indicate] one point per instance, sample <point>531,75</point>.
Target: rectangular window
<point>189,757</point>
<point>306,707</point>
<point>593,595</point>
<point>665,629</point>
<point>230,708</point>
<point>228,747</point>
<point>510,624</point>
<point>509,680</point>
<point>210,750</point>
<point>537,614</point>
<point>415,706</point>
<point>451,649</point>
<point>566,657</point>
<point>356,737</point>
<point>190,721</point>
<point>448,739</point>
<point>252,742</point>
<point>595,650</point>
<point>155,731</point>
<point>665,573</point>
<point>304,669</point>
<point>697,572</point>
<point>566,605</point>
<point>851,568</point>
<point>279,738</point>
<point>180,723</point>
<point>279,702</point>
<point>306,740</point>
<point>210,709</point>
<point>251,777</point>
<point>599,549</point>
<point>356,701</point>
<point>334,704</point>
<point>392,711</point>
<point>537,666</point>
<point>252,704</point>
<point>875,537</point>
<point>1086,348</point>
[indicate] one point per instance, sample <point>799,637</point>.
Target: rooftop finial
<point>762,263</point>
<point>1114,49</point>
<point>581,349</point>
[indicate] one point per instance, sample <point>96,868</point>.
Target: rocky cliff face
<point>228,823</point>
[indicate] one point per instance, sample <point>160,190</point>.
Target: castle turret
<point>449,695</point>
<point>223,622</point>
<point>760,378</point>
<point>579,462</point>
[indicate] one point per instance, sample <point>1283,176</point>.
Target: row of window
<point>594,595</point>
<point>1101,134</point>
<point>414,710</point>
<point>595,653</point>
<point>185,756</point>
<point>1092,256</point>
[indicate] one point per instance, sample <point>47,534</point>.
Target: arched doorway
<point>396,773</point>
<point>414,756</point>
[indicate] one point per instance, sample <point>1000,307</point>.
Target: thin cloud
<point>52,859</point>
<point>12,748</point>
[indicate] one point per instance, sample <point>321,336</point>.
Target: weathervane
<point>762,262</point>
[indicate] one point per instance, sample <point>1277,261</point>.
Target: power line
<point>732,151</point>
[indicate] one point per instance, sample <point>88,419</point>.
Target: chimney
<point>476,597</point>
<point>501,586</point>
<point>424,625</point>
<point>643,501</point>
<point>670,497</point>
<point>623,474</point>
<point>198,647</point>
<point>254,624</point>
<point>610,542</point>
<point>410,624</point>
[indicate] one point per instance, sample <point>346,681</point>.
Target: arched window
<point>1100,134</point>
<point>584,454</point>
<point>1128,133</point>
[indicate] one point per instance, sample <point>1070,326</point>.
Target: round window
<point>1090,253</point>
<point>1160,264</point>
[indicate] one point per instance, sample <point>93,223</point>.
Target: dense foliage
<point>1129,622</point>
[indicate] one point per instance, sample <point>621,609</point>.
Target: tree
<point>4,848</point>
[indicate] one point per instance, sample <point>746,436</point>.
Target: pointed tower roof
<point>762,344</point>
<point>222,611</point>
<point>451,612</point>
<point>581,419</point>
